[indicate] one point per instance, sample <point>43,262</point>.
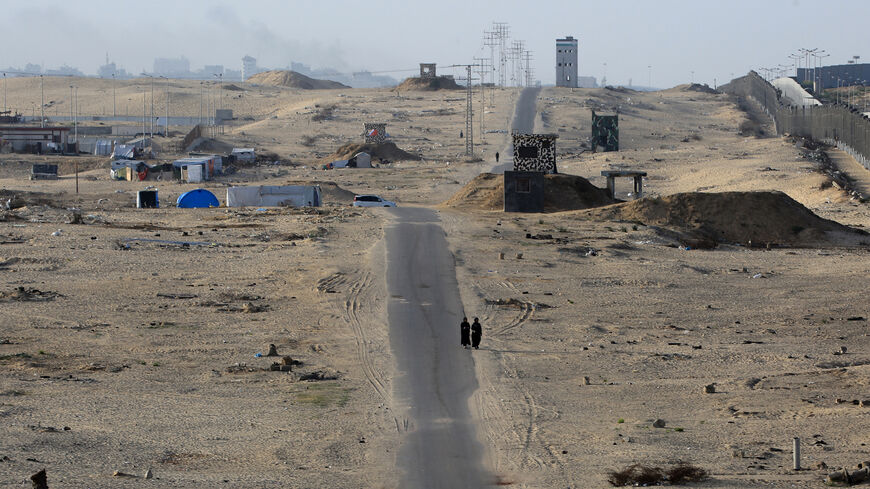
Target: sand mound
<point>386,151</point>
<point>233,88</point>
<point>437,83</point>
<point>732,217</point>
<point>330,191</point>
<point>697,87</point>
<point>291,79</point>
<point>562,193</point>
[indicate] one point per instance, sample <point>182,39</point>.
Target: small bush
<point>620,421</point>
<point>645,475</point>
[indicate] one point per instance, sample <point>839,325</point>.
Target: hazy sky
<point>715,39</point>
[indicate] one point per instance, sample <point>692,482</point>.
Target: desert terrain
<point>136,339</point>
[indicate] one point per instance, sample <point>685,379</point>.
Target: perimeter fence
<point>840,125</point>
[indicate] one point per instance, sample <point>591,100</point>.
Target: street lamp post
<point>649,76</point>
<point>5,81</point>
<point>200,103</point>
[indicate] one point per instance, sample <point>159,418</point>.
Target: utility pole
<point>530,72</point>
<point>483,68</point>
<point>166,133</point>
<point>469,141</point>
<point>76,119</point>
<point>42,109</point>
<point>200,103</point>
<point>114,112</point>
<point>502,33</point>
<point>5,82</point>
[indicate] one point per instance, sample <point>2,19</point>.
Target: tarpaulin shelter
<point>197,198</point>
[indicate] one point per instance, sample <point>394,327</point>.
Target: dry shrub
<point>683,472</point>
<point>636,474</point>
<point>645,475</point>
<point>750,128</point>
<point>308,141</point>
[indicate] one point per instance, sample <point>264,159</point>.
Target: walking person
<point>496,156</point>
<point>465,331</point>
<point>476,333</point>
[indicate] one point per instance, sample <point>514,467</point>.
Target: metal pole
<point>152,108</point>
<point>167,109</point>
<point>42,109</point>
<point>5,83</point>
<point>796,448</point>
<point>200,102</point>
<point>76,120</point>
<point>114,113</point>
<point>144,132</point>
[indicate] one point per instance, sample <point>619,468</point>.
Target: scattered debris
<point>22,294</point>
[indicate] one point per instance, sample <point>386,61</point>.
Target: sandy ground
<point>593,348</point>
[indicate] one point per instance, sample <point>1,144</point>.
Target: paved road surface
<point>435,377</point>
<point>435,374</point>
<point>524,122</point>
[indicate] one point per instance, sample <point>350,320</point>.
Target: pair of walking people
<point>470,333</point>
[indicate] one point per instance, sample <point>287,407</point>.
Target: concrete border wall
<point>837,124</point>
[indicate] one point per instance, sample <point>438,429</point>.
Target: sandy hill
<point>437,83</point>
<point>732,217</point>
<point>386,150</point>
<point>562,193</point>
<point>291,79</point>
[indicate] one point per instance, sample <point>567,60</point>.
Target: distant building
<point>587,82</point>
<point>212,70</point>
<point>172,67</point>
<point>249,67</point>
<point>65,71</point>
<point>836,75</point>
<point>566,62</point>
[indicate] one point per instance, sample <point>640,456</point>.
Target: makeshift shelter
<point>103,147</point>
<point>197,198</point>
<point>244,155</point>
<point>124,152</point>
<point>274,195</point>
<point>43,172</point>
<point>195,169</point>
<point>359,160</point>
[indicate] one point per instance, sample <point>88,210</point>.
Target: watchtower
<point>376,132</point>
<point>427,70</point>
<point>535,152</point>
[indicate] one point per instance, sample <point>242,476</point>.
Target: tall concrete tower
<point>566,62</point>
<point>249,67</point>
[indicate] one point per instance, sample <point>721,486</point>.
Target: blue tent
<point>197,198</point>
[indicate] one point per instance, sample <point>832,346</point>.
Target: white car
<point>371,201</point>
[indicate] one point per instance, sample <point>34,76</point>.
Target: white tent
<point>274,195</point>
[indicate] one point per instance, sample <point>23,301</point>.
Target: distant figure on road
<point>496,156</point>
<point>465,331</point>
<point>460,135</point>
<point>476,333</point>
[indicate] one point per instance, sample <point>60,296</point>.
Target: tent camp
<point>274,195</point>
<point>197,198</point>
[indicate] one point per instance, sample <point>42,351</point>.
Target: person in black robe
<point>476,333</point>
<point>465,331</point>
<point>496,156</point>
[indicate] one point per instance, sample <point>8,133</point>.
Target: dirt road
<point>523,121</point>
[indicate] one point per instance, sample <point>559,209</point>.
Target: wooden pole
<point>77,175</point>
